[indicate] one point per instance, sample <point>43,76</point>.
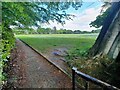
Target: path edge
<point>38,52</point>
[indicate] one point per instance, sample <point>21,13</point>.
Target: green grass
<point>48,41</point>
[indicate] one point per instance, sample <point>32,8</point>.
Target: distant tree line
<point>51,31</point>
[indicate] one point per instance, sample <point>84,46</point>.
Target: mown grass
<point>42,43</point>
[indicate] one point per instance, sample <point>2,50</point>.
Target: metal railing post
<point>73,78</point>
<point>91,79</point>
<point>86,85</point>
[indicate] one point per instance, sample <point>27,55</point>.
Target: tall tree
<point>108,39</point>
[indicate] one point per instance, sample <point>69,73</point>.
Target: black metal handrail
<point>88,78</point>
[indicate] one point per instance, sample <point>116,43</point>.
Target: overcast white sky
<point>84,16</point>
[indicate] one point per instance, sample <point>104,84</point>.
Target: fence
<point>87,78</point>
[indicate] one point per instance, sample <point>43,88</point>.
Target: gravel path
<point>37,72</point>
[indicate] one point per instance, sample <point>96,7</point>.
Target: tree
<point>95,31</point>
<point>33,13</point>
<point>99,20</point>
<point>77,32</point>
<point>103,14</point>
<point>108,39</point>
<point>30,13</point>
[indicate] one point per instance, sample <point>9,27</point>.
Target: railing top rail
<point>94,80</point>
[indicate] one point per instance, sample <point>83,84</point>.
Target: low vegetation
<point>7,44</point>
<point>1,64</point>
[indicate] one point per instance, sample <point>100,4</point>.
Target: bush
<point>8,42</point>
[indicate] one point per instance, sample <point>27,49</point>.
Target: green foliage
<point>44,30</point>
<point>95,31</point>
<point>30,13</point>
<point>99,19</point>
<point>18,31</point>
<point>7,42</point>
<point>1,46</point>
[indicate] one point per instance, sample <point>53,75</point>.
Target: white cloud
<point>80,22</point>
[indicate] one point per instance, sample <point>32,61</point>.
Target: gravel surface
<point>36,72</point>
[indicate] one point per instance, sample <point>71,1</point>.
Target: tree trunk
<point>108,39</point>
<point>118,58</point>
<point>115,48</point>
<point>111,39</point>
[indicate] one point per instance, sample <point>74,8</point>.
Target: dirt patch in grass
<point>57,55</point>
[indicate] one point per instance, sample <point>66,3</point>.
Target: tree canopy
<point>30,13</point>
<point>99,19</point>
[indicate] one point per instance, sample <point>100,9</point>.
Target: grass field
<point>49,41</point>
